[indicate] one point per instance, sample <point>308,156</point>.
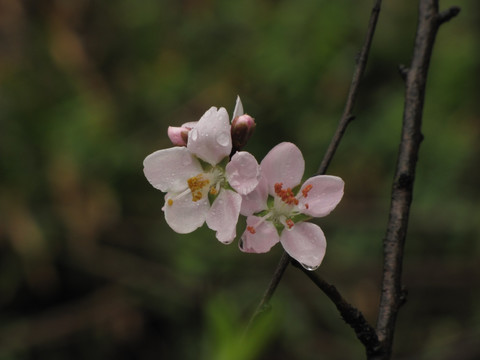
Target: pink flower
<point>199,178</point>
<point>178,135</point>
<point>276,212</point>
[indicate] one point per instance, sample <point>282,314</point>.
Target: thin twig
<point>351,315</point>
<point>277,276</point>
<point>346,118</point>
<point>393,295</point>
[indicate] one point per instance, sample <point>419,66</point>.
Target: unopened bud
<point>242,129</point>
<point>179,135</point>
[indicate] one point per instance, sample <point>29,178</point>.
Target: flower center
<point>285,206</point>
<point>197,185</point>
<point>200,185</point>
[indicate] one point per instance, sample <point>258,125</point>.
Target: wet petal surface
<point>169,169</point>
<point>210,139</point>
<point>243,172</point>
<point>261,237</point>
<point>283,164</point>
<point>323,193</point>
<point>184,215</point>
<point>223,215</point>
<point>306,243</point>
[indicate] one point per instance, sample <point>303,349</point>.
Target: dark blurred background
<point>88,267</point>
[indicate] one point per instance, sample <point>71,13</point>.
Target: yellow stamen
<point>196,185</point>
<point>170,202</point>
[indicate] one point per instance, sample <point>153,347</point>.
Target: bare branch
<point>347,115</point>
<point>392,294</point>
<point>351,315</point>
<point>346,118</point>
<point>446,15</point>
<point>277,276</point>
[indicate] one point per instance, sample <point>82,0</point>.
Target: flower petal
<point>178,135</point>
<point>256,200</point>
<point>223,215</point>
<point>210,139</point>
<point>262,240</point>
<point>183,214</point>
<point>190,125</point>
<point>169,169</point>
<point>324,193</point>
<point>305,243</point>
<point>243,172</point>
<point>283,164</point>
<point>238,108</point>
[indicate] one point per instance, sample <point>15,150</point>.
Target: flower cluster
<point>205,181</point>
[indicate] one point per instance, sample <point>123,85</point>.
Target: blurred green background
<point>88,267</point>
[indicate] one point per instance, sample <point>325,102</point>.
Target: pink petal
<point>238,108</point>
<point>243,172</point>
<point>305,243</point>
<point>169,169</point>
<point>185,215</point>
<point>210,139</point>
<point>283,164</point>
<point>325,193</point>
<point>256,200</point>
<point>223,215</point>
<point>178,135</point>
<point>262,240</point>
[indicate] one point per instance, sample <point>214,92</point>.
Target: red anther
<point>278,188</point>
<point>290,223</point>
<point>251,229</point>
<point>306,206</point>
<point>306,189</point>
<point>287,195</point>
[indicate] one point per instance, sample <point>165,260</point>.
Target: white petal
<point>210,139</point>
<point>243,172</point>
<point>283,164</point>
<point>262,239</point>
<point>169,169</point>
<point>185,215</point>
<point>238,108</point>
<point>256,200</point>
<point>223,215</point>
<point>306,243</point>
<point>325,193</point>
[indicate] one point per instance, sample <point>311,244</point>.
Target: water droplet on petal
<point>309,268</point>
<point>223,138</point>
<point>194,134</point>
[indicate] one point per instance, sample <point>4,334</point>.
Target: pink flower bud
<point>242,129</point>
<point>178,135</point>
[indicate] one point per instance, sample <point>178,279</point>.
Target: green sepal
<point>211,197</point>
<point>279,228</point>
<point>300,217</point>
<point>205,165</point>
<point>270,201</point>
<point>226,185</point>
<point>261,213</point>
<point>224,162</point>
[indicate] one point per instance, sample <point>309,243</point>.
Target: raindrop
<point>309,268</point>
<point>223,138</point>
<point>194,134</point>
